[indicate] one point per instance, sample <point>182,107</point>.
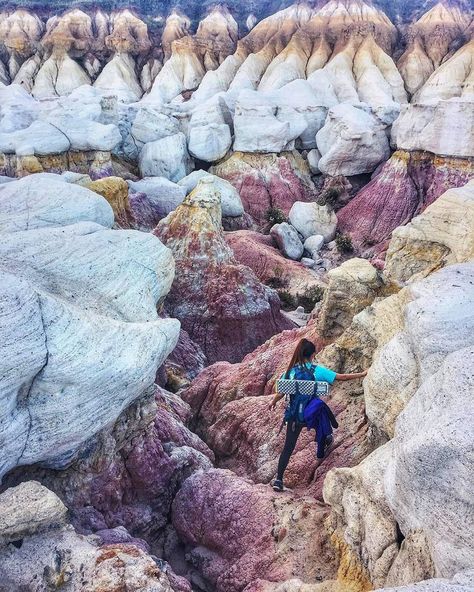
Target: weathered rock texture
<point>405,186</point>
<point>81,335</point>
<point>268,181</point>
<point>220,303</point>
<point>49,554</point>
<point>415,488</point>
<point>442,235</point>
<point>259,252</point>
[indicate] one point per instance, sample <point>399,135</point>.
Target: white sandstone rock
<point>287,240</point>
<point>59,75</point>
<point>210,142</point>
<point>163,194</point>
<point>230,199</point>
<point>419,392</point>
<point>260,126</point>
<point>80,335</point>
<point>149,125</point>
<point>314,156</point>
<point>167,157</point>
<point>85,134</point>
<point>310,219</point>
<point>313,244</point>
<point>443,128</point>
<point>44,200</point>
<point>351,142</point>
<point>40,138</point>
<point>119,77</point>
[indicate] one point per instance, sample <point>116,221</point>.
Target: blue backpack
<point>295,409</point>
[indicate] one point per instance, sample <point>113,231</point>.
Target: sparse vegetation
<point>344,243</point>
<point>310,297</point>
<point>277,281</point>
<point>330,197</point>
<point>275,216</point>
<point>288,301</point>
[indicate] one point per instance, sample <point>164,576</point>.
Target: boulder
<point>313,244</point>
<point>29,509</point>
<point>230,199</point>
<point>149,125</point>
<point>39,138</point>
<point>259,125</point>
<point>221,304</point>
<point>352,141</point>
<point>162,196</point>
<point>115,191</point>
<point>314,156</point>
<point>352,286</point>
<point>311,219</point>
<point>443,234</point>
<point>287,240</point>
<point>76,348</point>
<point>167,157</point>
<point>210,143</point>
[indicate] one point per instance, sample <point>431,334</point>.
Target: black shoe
<point>277,485</point>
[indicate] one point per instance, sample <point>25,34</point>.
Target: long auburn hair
<point>304,350</point>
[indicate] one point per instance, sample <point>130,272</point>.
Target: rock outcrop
<point>80,340</point>
<point>403,188</point>
<point>410,399</point>
<point>220,303</point>
<point>47,552</point>
<point>442,235</point>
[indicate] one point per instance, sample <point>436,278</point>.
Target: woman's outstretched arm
<point>351,376</point>
<point>276,398</point>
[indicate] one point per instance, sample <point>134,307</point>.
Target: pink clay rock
<point>220,303</point>
<point>406,185</point>
<point>273,535</point>
<point>258,251</point>
<point>268,181</point>
<point>231,401</point>
<point>131,471</point>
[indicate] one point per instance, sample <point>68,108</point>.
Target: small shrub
<point>344,243</point>
<point>310,297</point>
<point>370,241</point>
<point>330,197</point>
<point>275,216</point>
<point>287,300</point>
<point>276,282</point>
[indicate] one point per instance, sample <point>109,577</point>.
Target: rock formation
<point>47,552</point>
<point>224,323</point>
<point>75,346</point>
<point>414,406</point>
<point>316,155</point>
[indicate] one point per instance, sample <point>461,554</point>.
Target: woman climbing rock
<point>317,415</point>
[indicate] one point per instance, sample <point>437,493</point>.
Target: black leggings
<point>293,430</point>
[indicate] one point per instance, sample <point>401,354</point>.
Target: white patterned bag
<point>302,387</point>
